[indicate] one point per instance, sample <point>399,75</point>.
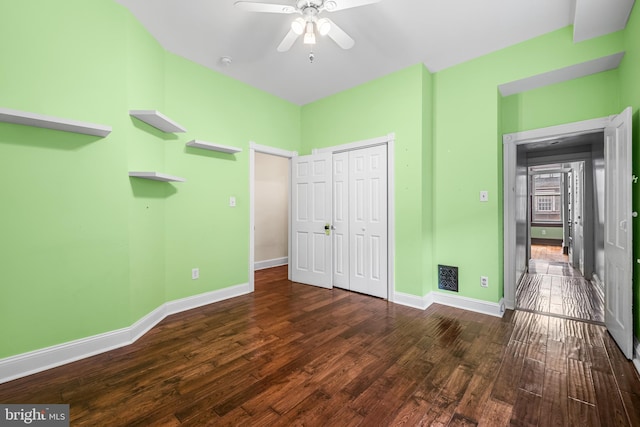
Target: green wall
<point>630,96</point>
<point>86,249</point>
<point>390,104</point>
<point>427,180</point>
<point>468,151</point>
<point>555,233</point>
<point>597,95</point>
<point>64,222</point>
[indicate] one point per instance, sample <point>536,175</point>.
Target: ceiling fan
<point>309,22</point>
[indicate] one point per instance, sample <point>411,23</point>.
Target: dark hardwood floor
<point>291,354</point>
<point>552,286</point>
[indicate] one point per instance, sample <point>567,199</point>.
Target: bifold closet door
<point>367,203</point>
<point>360,220</point>
<point>341,220</point>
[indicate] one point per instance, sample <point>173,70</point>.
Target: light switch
<point>484,196</point>
<point>232,202</point>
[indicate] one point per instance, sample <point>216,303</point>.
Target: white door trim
<point>253,149</point>
<point>389,141</point>
<point>510,143</point>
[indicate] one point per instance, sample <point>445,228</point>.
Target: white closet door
<point>341,220</point>
<point>368,221</point>
<point>311,218</point>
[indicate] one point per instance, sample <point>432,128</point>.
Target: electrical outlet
<point>195,273</point>
<point>484,281</point>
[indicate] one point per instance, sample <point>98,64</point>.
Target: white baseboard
<point>412,300</point>
<point>471,304</point>
<point>40,360</point>
<point>636,354</point>
<point>261,265</point>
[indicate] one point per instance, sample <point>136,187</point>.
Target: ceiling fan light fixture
<point>297,26</point>
<point>324,26</point>
<point>309,35</point>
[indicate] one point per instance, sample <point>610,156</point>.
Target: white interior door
<point>341,220</point>
<point>618,232</point>
<point>368,221</point>
<point>311,219</point>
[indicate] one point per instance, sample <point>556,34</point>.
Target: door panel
<point>618,232</point>
<point>341,220</point>
<point>368,221</point>
<point>311,206</point>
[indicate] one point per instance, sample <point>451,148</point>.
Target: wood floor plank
<point>610,406</point>
<point>475,398</point>
<point>554,409</point>
<point>583,415</point>
<point>506,385</point>
<point>411,413</point>
<point>532,377</point>
<point>526,409</point>
<point>496,413</point>
<point>580,382</point>
<point>290,354</point>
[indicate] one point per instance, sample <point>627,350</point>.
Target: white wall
<point>271,207</point>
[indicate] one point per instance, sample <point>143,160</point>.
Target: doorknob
<point>327,229</point>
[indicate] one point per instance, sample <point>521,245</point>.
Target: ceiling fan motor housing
<point>303,4</point>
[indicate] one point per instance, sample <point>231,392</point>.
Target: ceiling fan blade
<point>338,35</point>
<point>251,6</point>
<point>288,41</point>
<point>348,4</point>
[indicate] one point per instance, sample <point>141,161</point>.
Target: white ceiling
<point>389,35</point>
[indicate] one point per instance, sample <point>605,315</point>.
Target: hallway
<point>553,287</point>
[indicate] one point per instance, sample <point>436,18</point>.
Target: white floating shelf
<point>48,122</point>
<point>157,176</point>
<point>213,147</point>
<point>157,120</point>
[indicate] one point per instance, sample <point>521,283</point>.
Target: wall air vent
<point>448,278</point>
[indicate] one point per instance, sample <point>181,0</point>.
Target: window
<point>546,206</point>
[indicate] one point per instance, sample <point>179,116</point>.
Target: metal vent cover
<point>448,278</point>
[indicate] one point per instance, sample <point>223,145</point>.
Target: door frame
<point>253,149</point>
<point>389,141</point>
<point>561,171</point>
<point>510,143</point>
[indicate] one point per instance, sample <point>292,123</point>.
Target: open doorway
<point>271,198</point>
<point>256,151</point>
<point>563,221</point>
<point>617,257</point>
